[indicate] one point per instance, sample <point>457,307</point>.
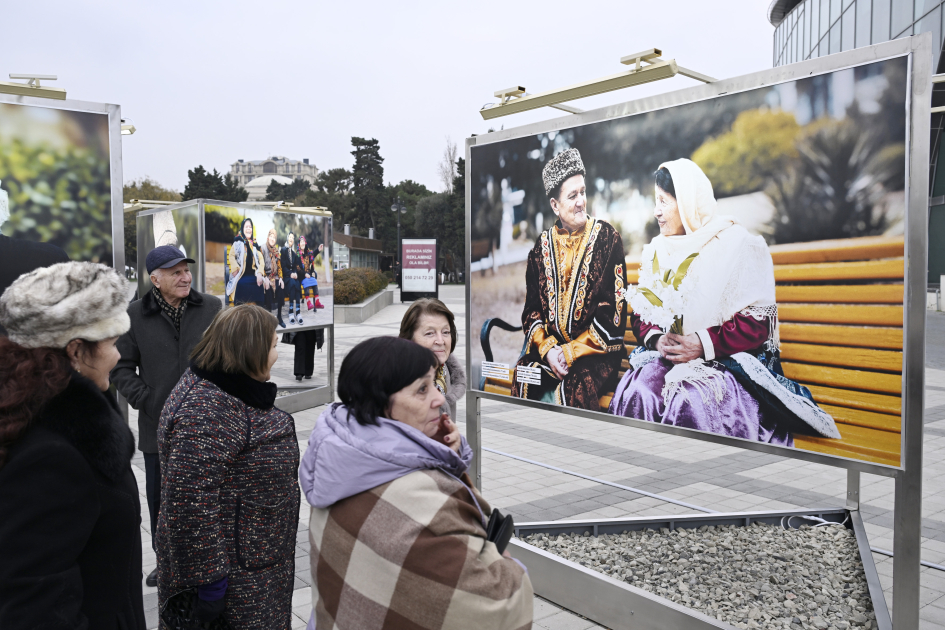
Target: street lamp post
<point>398,208</point>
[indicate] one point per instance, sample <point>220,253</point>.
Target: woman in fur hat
<point>70,538</point>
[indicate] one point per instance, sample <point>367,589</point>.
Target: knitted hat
<point>561,167</point>
<point>51,306</point>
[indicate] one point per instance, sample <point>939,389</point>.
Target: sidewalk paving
<point>719,477</point>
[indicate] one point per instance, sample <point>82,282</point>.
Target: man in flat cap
<point>166,324</point>
<point>575,314</point>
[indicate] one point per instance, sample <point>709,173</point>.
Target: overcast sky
<point>211,82</point>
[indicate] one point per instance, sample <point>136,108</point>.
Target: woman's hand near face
<point>556,362</point>
<point>680,348</point>
<point>449,433</point>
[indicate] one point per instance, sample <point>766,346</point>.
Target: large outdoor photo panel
<point>56,176</point>
<point>280,260</point>
<point>757,294</point>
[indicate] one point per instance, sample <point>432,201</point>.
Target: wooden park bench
<point>840,306</point>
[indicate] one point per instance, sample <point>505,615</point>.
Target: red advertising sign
<point>419,265</point>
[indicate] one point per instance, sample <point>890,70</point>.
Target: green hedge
<point>354,285</point>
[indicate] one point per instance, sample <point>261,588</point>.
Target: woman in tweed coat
<point>397,529</point>
<point>230,496</point>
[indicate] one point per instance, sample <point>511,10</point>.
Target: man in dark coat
<point>18,257</point>
<point>575,313</point>
<point>166,324</point>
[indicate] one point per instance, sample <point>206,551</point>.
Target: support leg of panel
<point>907,548</point>
<point>331,361</point>
<point>474,436</point>
<point>853,489</point>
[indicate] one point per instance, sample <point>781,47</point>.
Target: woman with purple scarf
<point>397,529</point>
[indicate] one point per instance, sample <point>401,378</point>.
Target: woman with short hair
<point>70,518</point>
<point>430,323</point>
<point>397,529</point>
<point>230,496</point>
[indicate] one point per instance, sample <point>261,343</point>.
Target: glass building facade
<point>813,28</point>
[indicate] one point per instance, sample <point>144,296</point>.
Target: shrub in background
<point>354,285</point>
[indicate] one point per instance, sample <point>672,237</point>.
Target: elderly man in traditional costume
<point>705,311</point>
<point>575,314</point>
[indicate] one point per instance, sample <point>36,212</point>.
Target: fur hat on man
<point>561,167</point>
<point>51,306</point>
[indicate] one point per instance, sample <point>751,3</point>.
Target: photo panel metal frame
<point>295,397</point>
<point>114,158</point>
<point>908,475</point>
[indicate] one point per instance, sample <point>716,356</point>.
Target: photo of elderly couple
<point>273,259</point>
<point>732,266</point>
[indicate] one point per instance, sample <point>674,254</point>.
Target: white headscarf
<point>697,210</point>
<point>733,272</point>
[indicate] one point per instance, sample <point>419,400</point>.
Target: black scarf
<point>252,392</point>
<point>176,314</point>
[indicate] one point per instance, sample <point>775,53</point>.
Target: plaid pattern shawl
<point>411,554</point>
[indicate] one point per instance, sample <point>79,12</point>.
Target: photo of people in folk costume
<point>732,266</point>
<point>266,274</point>
<point>574,319</point>
<point>704,310</point>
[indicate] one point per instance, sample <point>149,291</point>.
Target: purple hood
<point>344,458</point>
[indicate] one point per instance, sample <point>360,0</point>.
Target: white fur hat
<point>51,306</point>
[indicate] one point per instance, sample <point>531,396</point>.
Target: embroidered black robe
<point>574,299</point>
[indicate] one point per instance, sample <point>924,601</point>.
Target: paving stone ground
<point>722,478</point>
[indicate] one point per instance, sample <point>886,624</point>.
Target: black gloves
<point>208,611</point>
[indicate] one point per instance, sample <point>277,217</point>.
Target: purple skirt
<point>639,395</point>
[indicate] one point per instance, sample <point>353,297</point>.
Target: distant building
<point>356,251</point>
<point>255,175</point>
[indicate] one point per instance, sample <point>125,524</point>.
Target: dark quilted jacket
<point>229,502</point>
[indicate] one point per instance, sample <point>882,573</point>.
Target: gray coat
<point>154,356</point>
<point>455,385</point>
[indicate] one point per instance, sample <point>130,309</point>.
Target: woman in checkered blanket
<point>397,529</point>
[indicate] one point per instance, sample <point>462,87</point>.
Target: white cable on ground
<point>606,483</point>
<point>820,522</point>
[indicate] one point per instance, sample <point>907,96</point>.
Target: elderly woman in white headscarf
<point>705,312</point>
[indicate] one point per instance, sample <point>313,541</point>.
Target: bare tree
<point>447,166</point>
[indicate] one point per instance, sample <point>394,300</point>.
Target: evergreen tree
<point>333,191</point>
<point>148,190</point>
<point>204,184</point>
<point>367,182</point>
<point>287,192</point>
<point>335,181</point>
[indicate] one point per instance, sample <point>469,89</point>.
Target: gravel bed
<point>762,576</point>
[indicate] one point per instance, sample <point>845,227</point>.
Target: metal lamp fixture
<point>647,67</point>
<point>32,87</point>
<point>398,208</point>
<point>127,127</point>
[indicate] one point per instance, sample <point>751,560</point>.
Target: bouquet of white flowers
<point>658,299</point>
